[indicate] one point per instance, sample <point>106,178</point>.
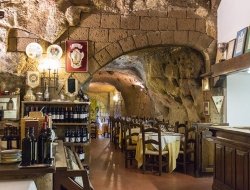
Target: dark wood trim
<point>232,65</point>
<point>232,158</point>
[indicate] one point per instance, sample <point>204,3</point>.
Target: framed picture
<point>206,107</point>
<point>247,44</point>
<point>240,42</point>
<point>76,56</point>
<point>71,86</point>
<point>230,49</point>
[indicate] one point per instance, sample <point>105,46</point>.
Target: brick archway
<point>196,40</point>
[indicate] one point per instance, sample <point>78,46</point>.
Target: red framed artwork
<point>76,56</point>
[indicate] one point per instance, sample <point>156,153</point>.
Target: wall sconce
<point>48,68</point>
<point>205,84</point>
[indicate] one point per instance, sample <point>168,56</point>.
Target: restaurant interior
<point>124,94</point>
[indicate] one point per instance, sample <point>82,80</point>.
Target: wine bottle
<point>14,138</point>
<point>72,136</point>
<point>26,149</point>
<point>61,116</point>
<point>33,146</point>
<point>81,153</point>
<point>48,147</point>
<point>4,139</point>
<point>85,114</point>
<point>78,136</point>
<point>71,115</point>
<point>10,104</point>
<point>75,115</point>
<point>46,93</point>
<point>53,114</point>
<point>57,113</point>
<point>84,135</point>
<point>67,136</point>
<point>9,138</point>
<point>66,115</point>
<point>82,115</point>
<point>41,151</point>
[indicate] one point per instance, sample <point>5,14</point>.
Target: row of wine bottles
<point>77,136</point>
<point>10,138</point>
<point>37,150</point>
<point>76,114</point>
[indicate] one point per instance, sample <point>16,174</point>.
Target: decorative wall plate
<point>54,51</point>
<point>34,50</point>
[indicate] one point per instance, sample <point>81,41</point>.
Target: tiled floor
<point>108,173</point>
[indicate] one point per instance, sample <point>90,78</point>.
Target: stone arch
<point>199,41</point>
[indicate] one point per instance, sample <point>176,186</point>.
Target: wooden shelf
<point>232,65</point>
<point>68,124</point>
<point>75,144</point>
<point>55,103</point>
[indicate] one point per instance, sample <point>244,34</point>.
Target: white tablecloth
<point>18,185</point>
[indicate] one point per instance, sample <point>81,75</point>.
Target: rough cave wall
<point>173,80</point>
<point>113,28</point>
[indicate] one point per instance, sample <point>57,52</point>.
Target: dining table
<point>170,141</point>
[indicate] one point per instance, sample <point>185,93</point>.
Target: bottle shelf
<point>68,124</point>
<point>55,103</point>
<point>75,144</point>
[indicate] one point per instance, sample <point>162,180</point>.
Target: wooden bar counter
<point>232,157</point>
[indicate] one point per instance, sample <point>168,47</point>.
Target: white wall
<point>238,99</point>
<point>233,15</point>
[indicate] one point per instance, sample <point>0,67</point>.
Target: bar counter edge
<point>232,157</point>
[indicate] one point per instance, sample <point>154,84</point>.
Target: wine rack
<point>65,116</point>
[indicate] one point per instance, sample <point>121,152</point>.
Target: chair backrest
<point>130,135</point>
<point>146,141</point>
<point>186,140</point>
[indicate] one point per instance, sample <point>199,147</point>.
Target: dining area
<point>119,166</point>
<point>154,146</point>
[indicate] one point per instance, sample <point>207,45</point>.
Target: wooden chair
<point>187,146</point>
<point>115,133</point>
<point>130,144</point>
<point>155,158</point>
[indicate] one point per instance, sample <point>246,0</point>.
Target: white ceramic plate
<point>54,51</point>
<point>34,50</point>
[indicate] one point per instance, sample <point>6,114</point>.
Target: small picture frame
<point>230,49</point>
<point>206,107</point>
<point>247,44</point>
<point>71,86</point>
<point>240,42</point>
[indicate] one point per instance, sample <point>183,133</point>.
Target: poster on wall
<point>240,42</point>
<point>76,56</point>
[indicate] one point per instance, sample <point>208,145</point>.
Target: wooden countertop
<point>241,130</point>
<point>13,170</point>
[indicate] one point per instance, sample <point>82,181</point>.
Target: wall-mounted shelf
<point>69,124</point>
<point>235,64</point>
